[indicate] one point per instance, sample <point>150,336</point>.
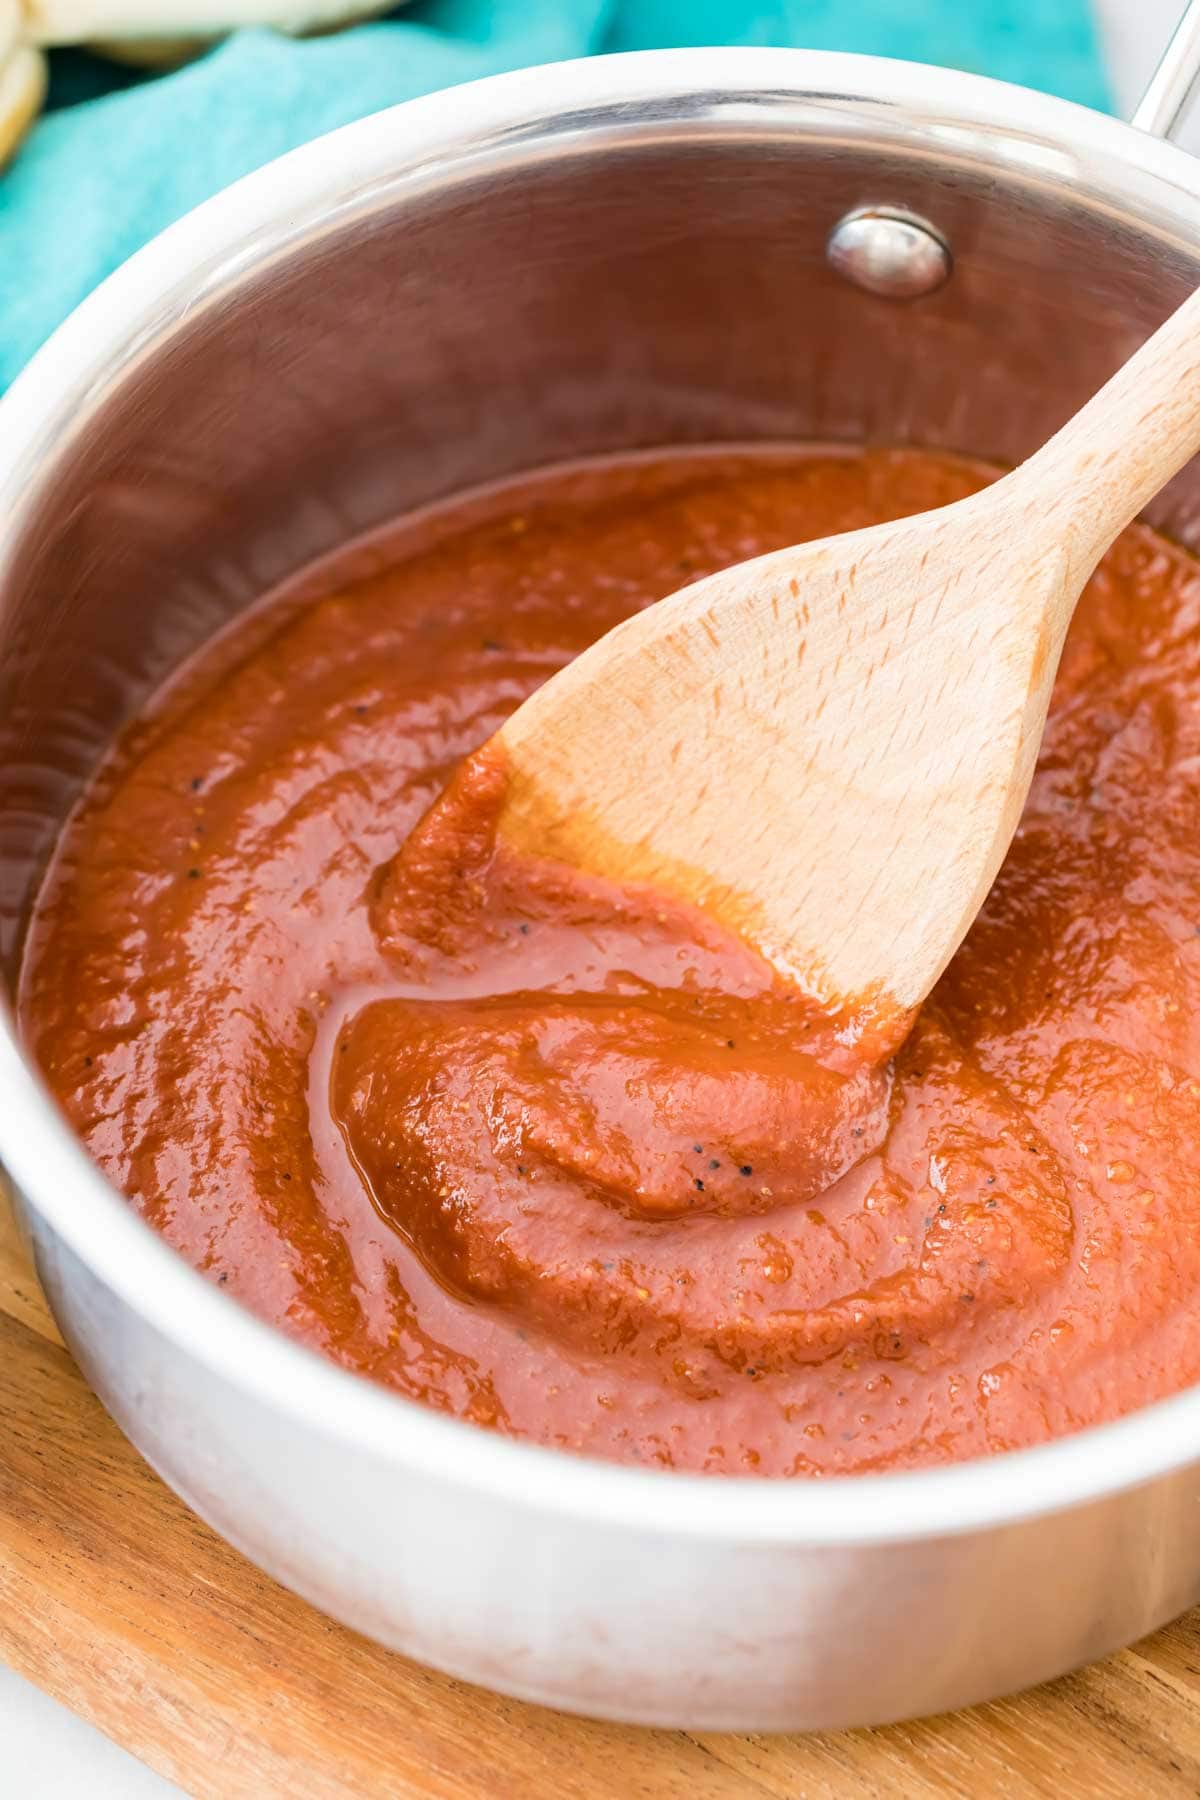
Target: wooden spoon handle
<point>1096,474</point>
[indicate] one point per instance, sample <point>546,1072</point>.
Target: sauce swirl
<point>568,1161</point>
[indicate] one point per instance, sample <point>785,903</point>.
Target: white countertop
<point>48,1753</point>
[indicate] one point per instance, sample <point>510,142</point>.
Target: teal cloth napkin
<point>118,157</point>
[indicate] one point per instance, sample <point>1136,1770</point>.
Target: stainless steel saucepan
<point>629,251</point>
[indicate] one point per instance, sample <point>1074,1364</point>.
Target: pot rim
<point>1038,139</point>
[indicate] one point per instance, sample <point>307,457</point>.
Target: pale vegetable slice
<point>154,30</point>
<point>22,79</point>
<point>151,32</point>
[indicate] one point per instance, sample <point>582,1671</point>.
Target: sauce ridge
<point>578,1167</point>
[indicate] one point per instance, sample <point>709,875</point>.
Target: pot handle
<point>1166,99</point>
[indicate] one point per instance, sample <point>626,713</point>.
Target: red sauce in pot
<point>568,1161</point>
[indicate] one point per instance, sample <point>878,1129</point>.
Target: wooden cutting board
<point>118,1601</point>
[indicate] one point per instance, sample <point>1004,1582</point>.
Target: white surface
<point>48,1754</point>
<point>1135,33</point>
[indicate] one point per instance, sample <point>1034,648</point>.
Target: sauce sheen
<point>568,1161</point>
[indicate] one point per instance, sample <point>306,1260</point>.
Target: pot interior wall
<point>663,285</point>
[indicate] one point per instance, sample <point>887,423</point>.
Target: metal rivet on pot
<point>889,251</point>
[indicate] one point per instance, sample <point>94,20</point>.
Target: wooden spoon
<point>828,748</point>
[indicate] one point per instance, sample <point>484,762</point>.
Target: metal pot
<point>619,252</point>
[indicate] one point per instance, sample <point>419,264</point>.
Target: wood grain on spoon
<point>828,748</point>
